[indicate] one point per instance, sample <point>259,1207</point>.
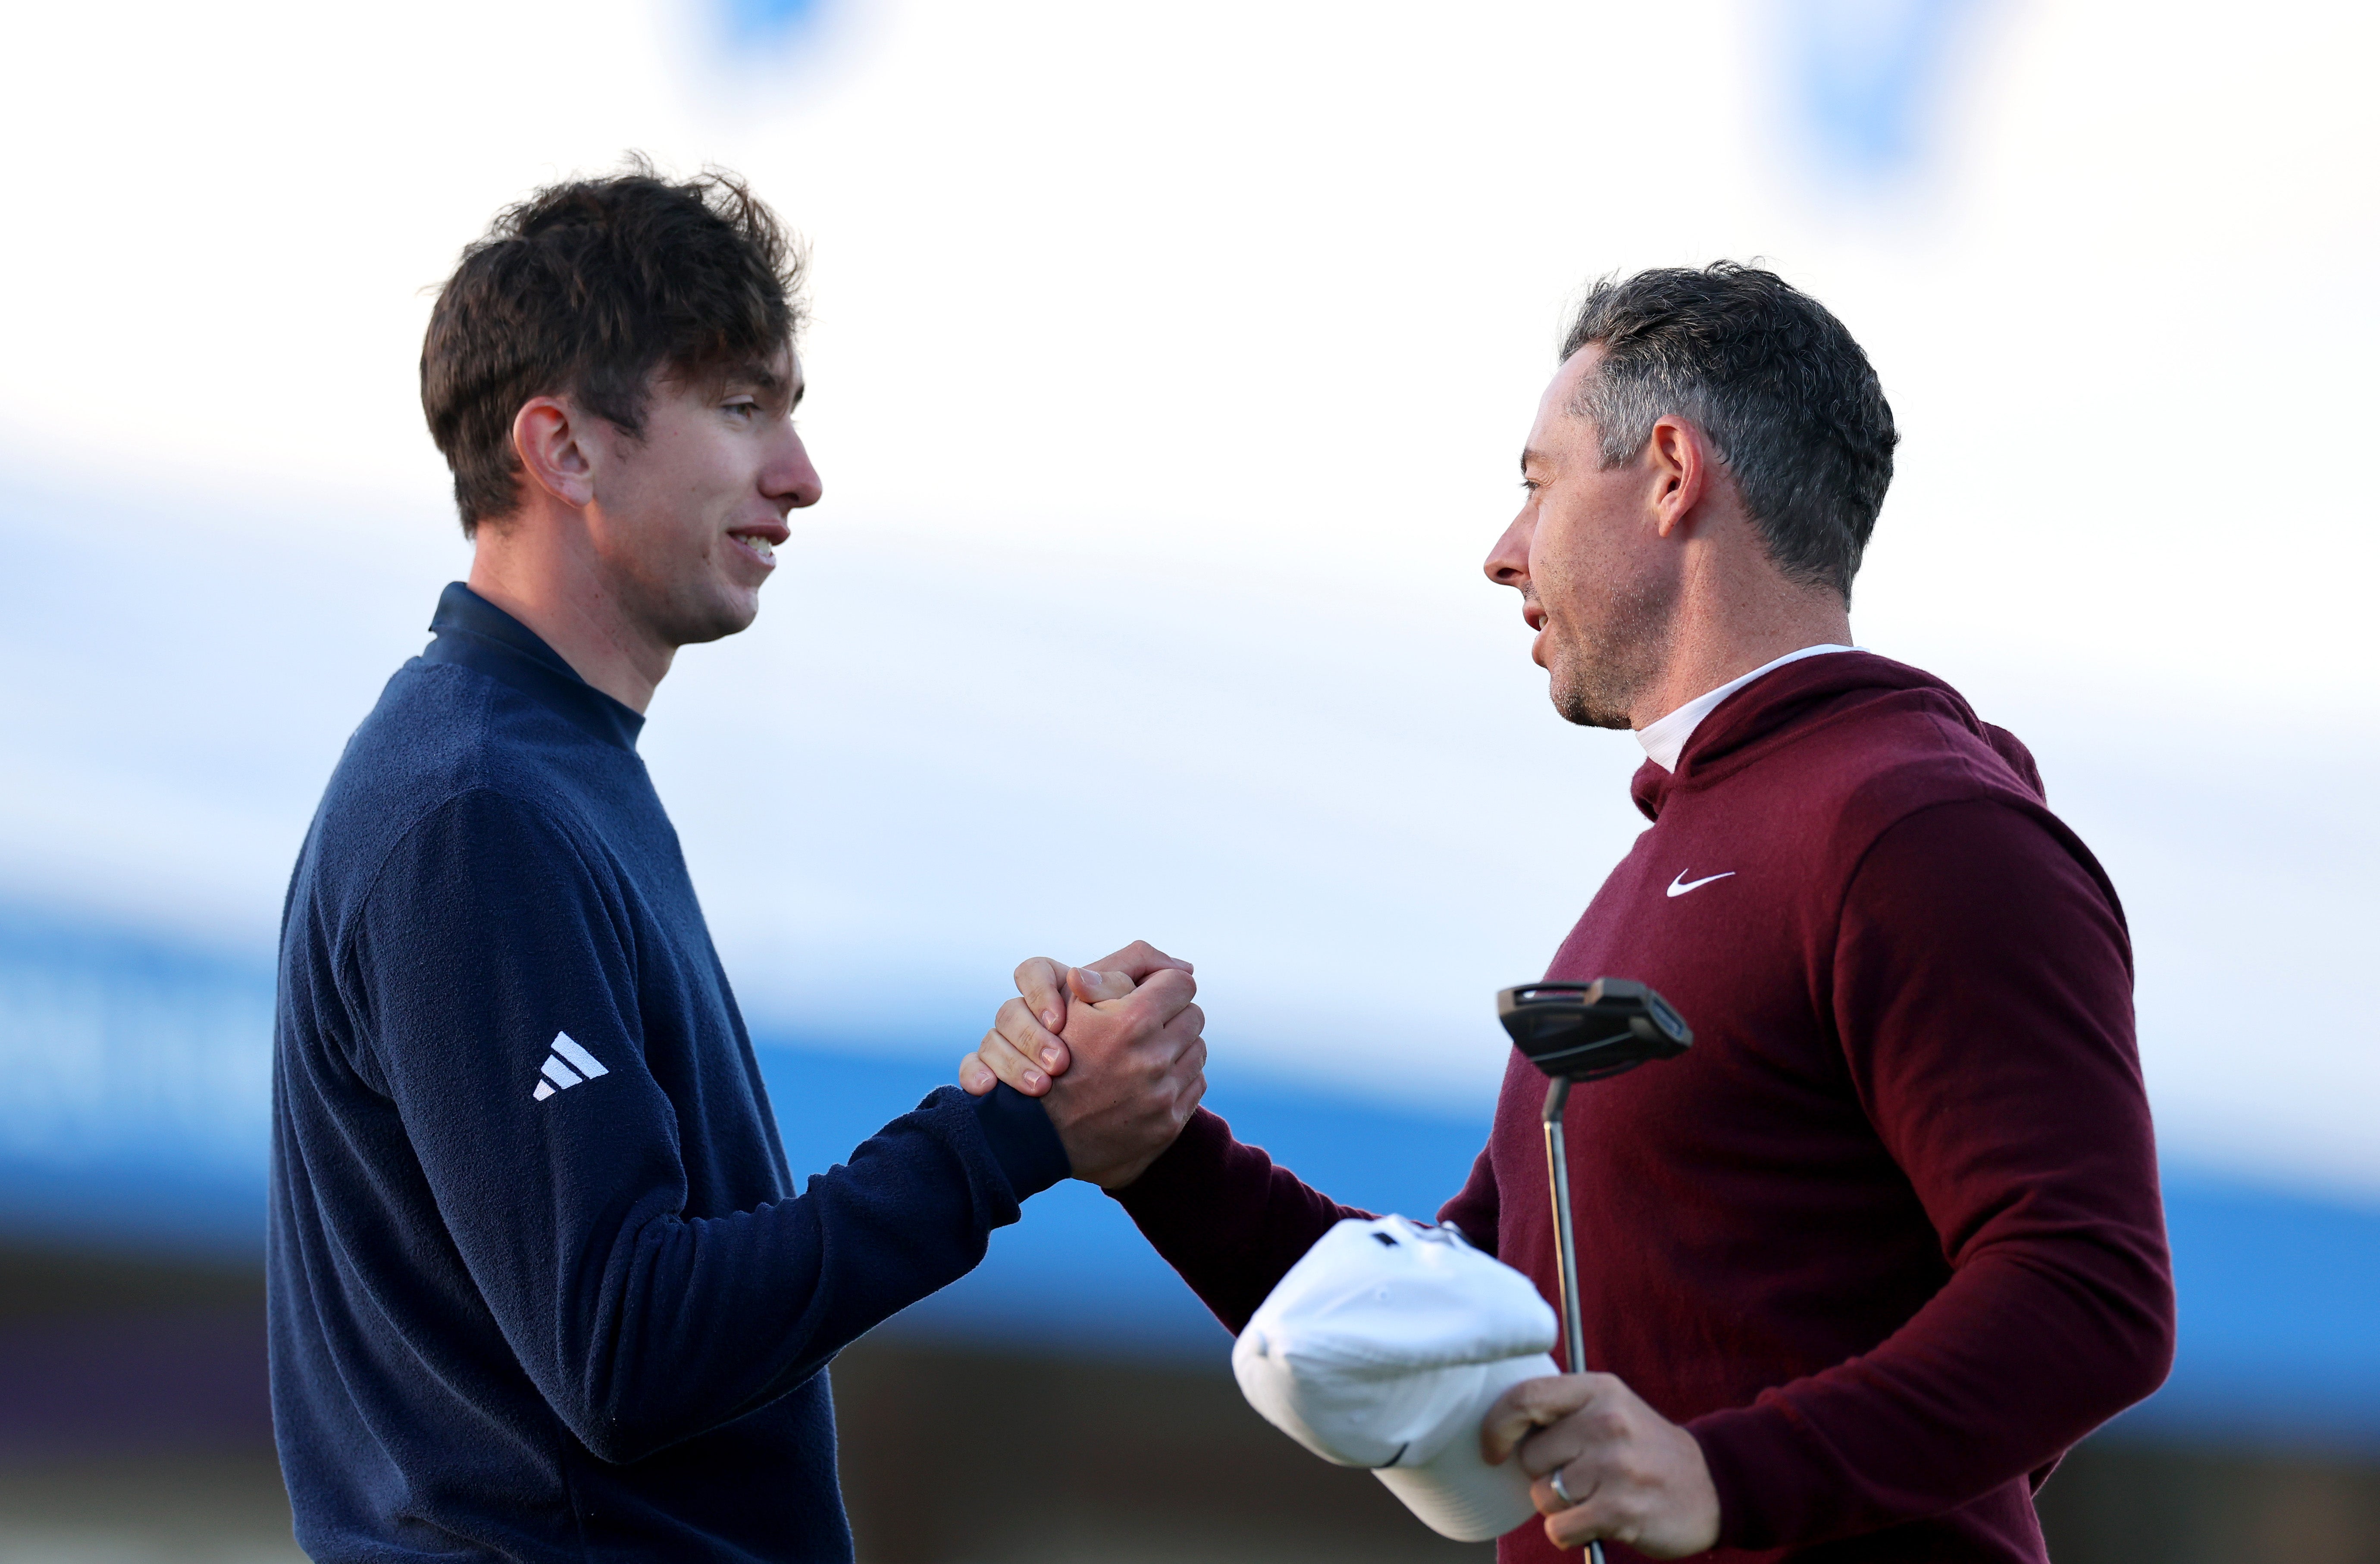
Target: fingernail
<point>1050,1057</point>
<point>1051,1018</point>
<point>1033,1078</point>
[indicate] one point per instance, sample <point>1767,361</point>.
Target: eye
<point>745,408</point>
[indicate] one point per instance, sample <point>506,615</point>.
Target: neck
<point>1729,624</point>
<point>543,571</point>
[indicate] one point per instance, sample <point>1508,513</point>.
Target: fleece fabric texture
<point>541,1284</point>
<point>1888,1238</point>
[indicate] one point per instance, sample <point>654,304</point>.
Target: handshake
<point>1113,1050</point>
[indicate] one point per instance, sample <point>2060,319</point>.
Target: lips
<point>762,541</point>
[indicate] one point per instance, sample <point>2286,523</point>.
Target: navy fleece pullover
<point>543,1286</point>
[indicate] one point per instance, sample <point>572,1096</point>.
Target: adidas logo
<point>565,1067</point>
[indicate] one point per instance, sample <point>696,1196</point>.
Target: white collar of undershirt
<point>1665,740</point>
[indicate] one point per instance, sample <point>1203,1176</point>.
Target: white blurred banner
<point>1168,369</point>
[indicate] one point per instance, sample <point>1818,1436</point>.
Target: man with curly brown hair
<point>542,1283</point>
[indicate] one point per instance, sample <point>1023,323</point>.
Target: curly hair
<point>584,289</point>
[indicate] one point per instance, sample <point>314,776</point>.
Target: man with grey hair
<point>1866,1262</point>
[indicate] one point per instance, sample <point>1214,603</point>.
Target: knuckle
<point>1624,1520</point>
<point>1583,1525</point>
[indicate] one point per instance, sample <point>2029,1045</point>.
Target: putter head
<point>1588,1031</point>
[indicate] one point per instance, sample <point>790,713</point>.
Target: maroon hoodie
<point>1888,1238</point>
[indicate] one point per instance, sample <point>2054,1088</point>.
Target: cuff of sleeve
<point>1183,1173</point>
<point>1762,1476</point>
<point>1023,1140</point>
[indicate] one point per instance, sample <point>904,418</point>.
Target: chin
<point>1581,701</point>
<point>1575,709</point>
<point>717,621</point>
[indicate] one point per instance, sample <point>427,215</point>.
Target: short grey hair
<point>1785,396</point>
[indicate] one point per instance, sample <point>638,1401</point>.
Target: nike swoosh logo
<point>1681,885</point>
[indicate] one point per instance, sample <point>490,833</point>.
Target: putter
<point>1584,1032</point>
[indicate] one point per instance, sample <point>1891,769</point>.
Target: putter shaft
<point>1565,1249</point>
<point>1565,1243</point>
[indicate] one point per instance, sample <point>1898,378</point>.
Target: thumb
<point>1042,983</point>
<point>1093,986</point>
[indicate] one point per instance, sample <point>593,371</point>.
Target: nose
<point>1508,561</point>
<point>790,478</point>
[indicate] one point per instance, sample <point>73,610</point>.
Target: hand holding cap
<point>1384,1348</point>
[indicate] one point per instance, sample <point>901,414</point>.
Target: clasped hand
<point>1113,1050</point>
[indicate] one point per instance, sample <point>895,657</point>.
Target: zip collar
<point>476,634</point>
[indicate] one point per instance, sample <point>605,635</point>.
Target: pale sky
<point>1168,368</point>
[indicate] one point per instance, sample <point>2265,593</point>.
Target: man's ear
<point>549,437</point>
<point>1679,456</point>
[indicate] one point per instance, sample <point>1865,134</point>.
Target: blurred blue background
<point>1167,367</point>
<point>137,1114</point>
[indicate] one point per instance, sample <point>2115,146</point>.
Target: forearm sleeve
<point>1476,1211</point>
<point>1227,1218</point>
<point>489,943</point>
<point>1981,988</point>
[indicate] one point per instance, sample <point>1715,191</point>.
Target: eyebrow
<point>764,379</point>
<point>1532,454</point>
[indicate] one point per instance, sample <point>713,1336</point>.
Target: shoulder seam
<point>342,938</point>
<point>1843,891</point>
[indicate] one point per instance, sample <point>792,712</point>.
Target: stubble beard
<point>688,610</point>
<point>1604,671</point>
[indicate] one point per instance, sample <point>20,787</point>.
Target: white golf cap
<point>1384,1347</point>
